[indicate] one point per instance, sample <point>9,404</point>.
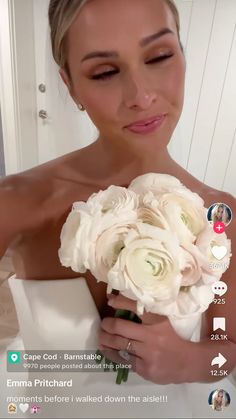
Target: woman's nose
<point>138,94</point>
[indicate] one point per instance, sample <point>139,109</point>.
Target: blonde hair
<point>215,403</point>
<point>225,218</point>
<point>61,14</point>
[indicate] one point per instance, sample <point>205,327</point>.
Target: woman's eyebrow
<point>142,43</point>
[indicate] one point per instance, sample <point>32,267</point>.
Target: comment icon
<point>219,288</point>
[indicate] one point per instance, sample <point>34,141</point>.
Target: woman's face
<point>220,397</point>
<point>220,212</point>
<point>126,65</point>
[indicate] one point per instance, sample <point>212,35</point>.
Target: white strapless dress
<point>61,315</point>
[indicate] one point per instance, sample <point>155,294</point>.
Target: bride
<point>123,63</point>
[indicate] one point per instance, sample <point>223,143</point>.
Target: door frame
<point>17,85</point>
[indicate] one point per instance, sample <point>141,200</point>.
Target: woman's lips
<point>146,126</point>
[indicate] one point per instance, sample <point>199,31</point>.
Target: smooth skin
<point>143,81</point>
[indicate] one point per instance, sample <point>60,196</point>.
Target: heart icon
<point>24,407</point>
<point>219,252</point>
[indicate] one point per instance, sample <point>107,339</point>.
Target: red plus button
<point>219,227</point>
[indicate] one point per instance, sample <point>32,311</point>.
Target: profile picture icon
<point>219,213</point>
<point>219,400</point>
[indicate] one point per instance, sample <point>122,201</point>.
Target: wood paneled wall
<point>205,139</point>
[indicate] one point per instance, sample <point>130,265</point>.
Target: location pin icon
<point>14,357</point>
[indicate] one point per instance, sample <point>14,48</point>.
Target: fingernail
<point>110,302</point>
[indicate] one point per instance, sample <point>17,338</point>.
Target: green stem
<point>119,377</point>
<point>125,374</point>
<point>122,373</point>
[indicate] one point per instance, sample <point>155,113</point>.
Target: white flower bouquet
<point>151,242</point>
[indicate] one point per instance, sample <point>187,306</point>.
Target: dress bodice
<point>56,314</point>
<point>62,315</point>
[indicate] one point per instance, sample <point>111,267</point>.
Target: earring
<point>80,107</point>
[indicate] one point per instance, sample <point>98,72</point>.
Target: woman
<point>123,63</point>
<point>219,401</point>
<point>219,214</point>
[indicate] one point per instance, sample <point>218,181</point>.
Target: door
<point>61,126</point>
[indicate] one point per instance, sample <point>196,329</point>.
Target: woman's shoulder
<point>27,186</point>
<point>41,181</point>
<point>208,194</point>
<point>40,194</point>
<point>212,196</point>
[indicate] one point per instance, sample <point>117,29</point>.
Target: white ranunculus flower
<point>192,265</point>
<point>107,248</point>
<point>190,301</point>
<point>183,211</point>
<point>102,211</point>
<point>209,242</point>
<point>187,310</point>
<point>114,199</point>
<point>70,253</point>
<point>152,217</point>
<point>158,182</point>
<point>147,268</point>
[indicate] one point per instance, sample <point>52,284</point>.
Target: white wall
<point>208,124</point>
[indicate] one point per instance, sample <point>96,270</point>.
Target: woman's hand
<point>157,353</point>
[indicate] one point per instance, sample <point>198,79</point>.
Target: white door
<point>17,85</point>
<point>62,127</point>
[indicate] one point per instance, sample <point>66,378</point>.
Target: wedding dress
<point>61,315</point>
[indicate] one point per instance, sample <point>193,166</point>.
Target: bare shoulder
<point>36,196</point>
<point>21,197</point>
<point>41,181</point>
<point>26,187</point>
<point>207,193</point>
<point>211,196</point>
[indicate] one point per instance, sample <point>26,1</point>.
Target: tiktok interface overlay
<point>50,389</point>
<point>219,215</point>
<point>219,400</point>
<point>58,361</point>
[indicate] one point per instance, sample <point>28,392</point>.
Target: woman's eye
<point>105,75</point>
<point>160,58</point>
<point>109,74</point>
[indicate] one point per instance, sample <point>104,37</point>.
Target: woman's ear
<point>66,79</point>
